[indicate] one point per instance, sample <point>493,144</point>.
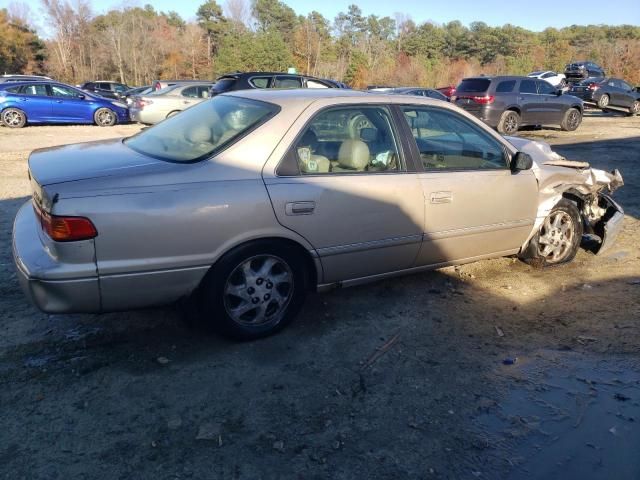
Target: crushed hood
<point>557,174</point>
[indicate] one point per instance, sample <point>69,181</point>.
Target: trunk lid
<point>83,161</point>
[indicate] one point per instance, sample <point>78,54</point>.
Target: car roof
<point>499,77</point>
<point>307,96</point>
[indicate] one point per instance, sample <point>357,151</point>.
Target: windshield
<point>200,131</point>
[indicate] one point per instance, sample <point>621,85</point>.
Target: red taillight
<point>140,103</point>
<point>65,229</point>
<point>594,86</point>
<point>482,100</point>
<point>157,86</point>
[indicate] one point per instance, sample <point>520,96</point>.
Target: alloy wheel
<point>105,117</point>
<point>556,236</point>
<point>12,118</point>
<point>511,124</point>
<point>574,120</point>
<point>635,108</point>
<point>604,101</point>
<point>258,291</point>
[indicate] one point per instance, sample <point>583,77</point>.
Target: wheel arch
<point>312,263</point>
<point>514,108</point>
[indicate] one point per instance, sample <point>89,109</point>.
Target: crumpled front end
<point>589,188</point>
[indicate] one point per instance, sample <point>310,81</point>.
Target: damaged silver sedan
<point>247,201</point>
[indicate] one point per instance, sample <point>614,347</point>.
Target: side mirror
<point>521,161</point>
<point>559,92</point>
<point>81,96</point>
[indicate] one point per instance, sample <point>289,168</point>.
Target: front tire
<point>509,123</point>
<point>634,109</point>
<point>603,101</point>
<point>254,291</point>
<point>105,117</point>
<point>14,118</point>
<point>558,239</point>
<point>571,120</point>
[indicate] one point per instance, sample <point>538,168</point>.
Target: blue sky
<point>546,13</point>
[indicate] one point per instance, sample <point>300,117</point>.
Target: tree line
<point>136,45</point>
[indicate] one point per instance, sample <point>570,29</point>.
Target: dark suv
<point>105,89</point>
<point>247,80</point>
<point>578,71</point>
<point>507,103</point>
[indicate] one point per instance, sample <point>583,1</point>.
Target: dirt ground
<point>401,379</point>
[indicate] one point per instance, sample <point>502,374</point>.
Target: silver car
<point>249,200</point>
<point>155,106</point>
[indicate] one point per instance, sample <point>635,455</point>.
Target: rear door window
<point>473,85</point>
<point>348,140</point>
<point>34,90</point>
<point>287,82</point>
<point>506,86</point>
<point>528,86</point>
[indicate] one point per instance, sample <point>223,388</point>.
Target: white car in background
<point>554,78</point>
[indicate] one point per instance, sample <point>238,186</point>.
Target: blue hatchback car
<point>41,102</point>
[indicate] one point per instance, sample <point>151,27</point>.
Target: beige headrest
<point>353,154</point>
<point>315,164</point>
<point>199,134</point>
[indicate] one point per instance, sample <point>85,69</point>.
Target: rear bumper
<point>52,286</point>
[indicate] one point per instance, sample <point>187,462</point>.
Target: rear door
<point>474,205</point>
<point>35,101</point>
<point>68,106</point>
<point>345,187</point>
<point>530,102</point>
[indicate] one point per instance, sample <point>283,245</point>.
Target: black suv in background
<point>105,89</point>
<point>507,103</point>
<point>608,92</point>
<point>247,80</point>
<point>578,71</point>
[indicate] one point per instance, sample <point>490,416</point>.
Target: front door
<point>553,108</point>
<point>69,105</point>
<point>350,193</point>
<point>474,205</point>
<point>530,102</point>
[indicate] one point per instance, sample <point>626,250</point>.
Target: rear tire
<point>558,239</point>
<point>571,120</point>
<point>253,291</point>
<point>603,101</point>
<point>105,117</point>
<point>14,118</point>
<point>509,123</point>
<point>634,109</point>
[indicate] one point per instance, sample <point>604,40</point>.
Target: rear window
<point>223,85</point>
<point>473,85</point>
<point>201,131</point>
<point>590,80</point>
<point>506,86</point>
